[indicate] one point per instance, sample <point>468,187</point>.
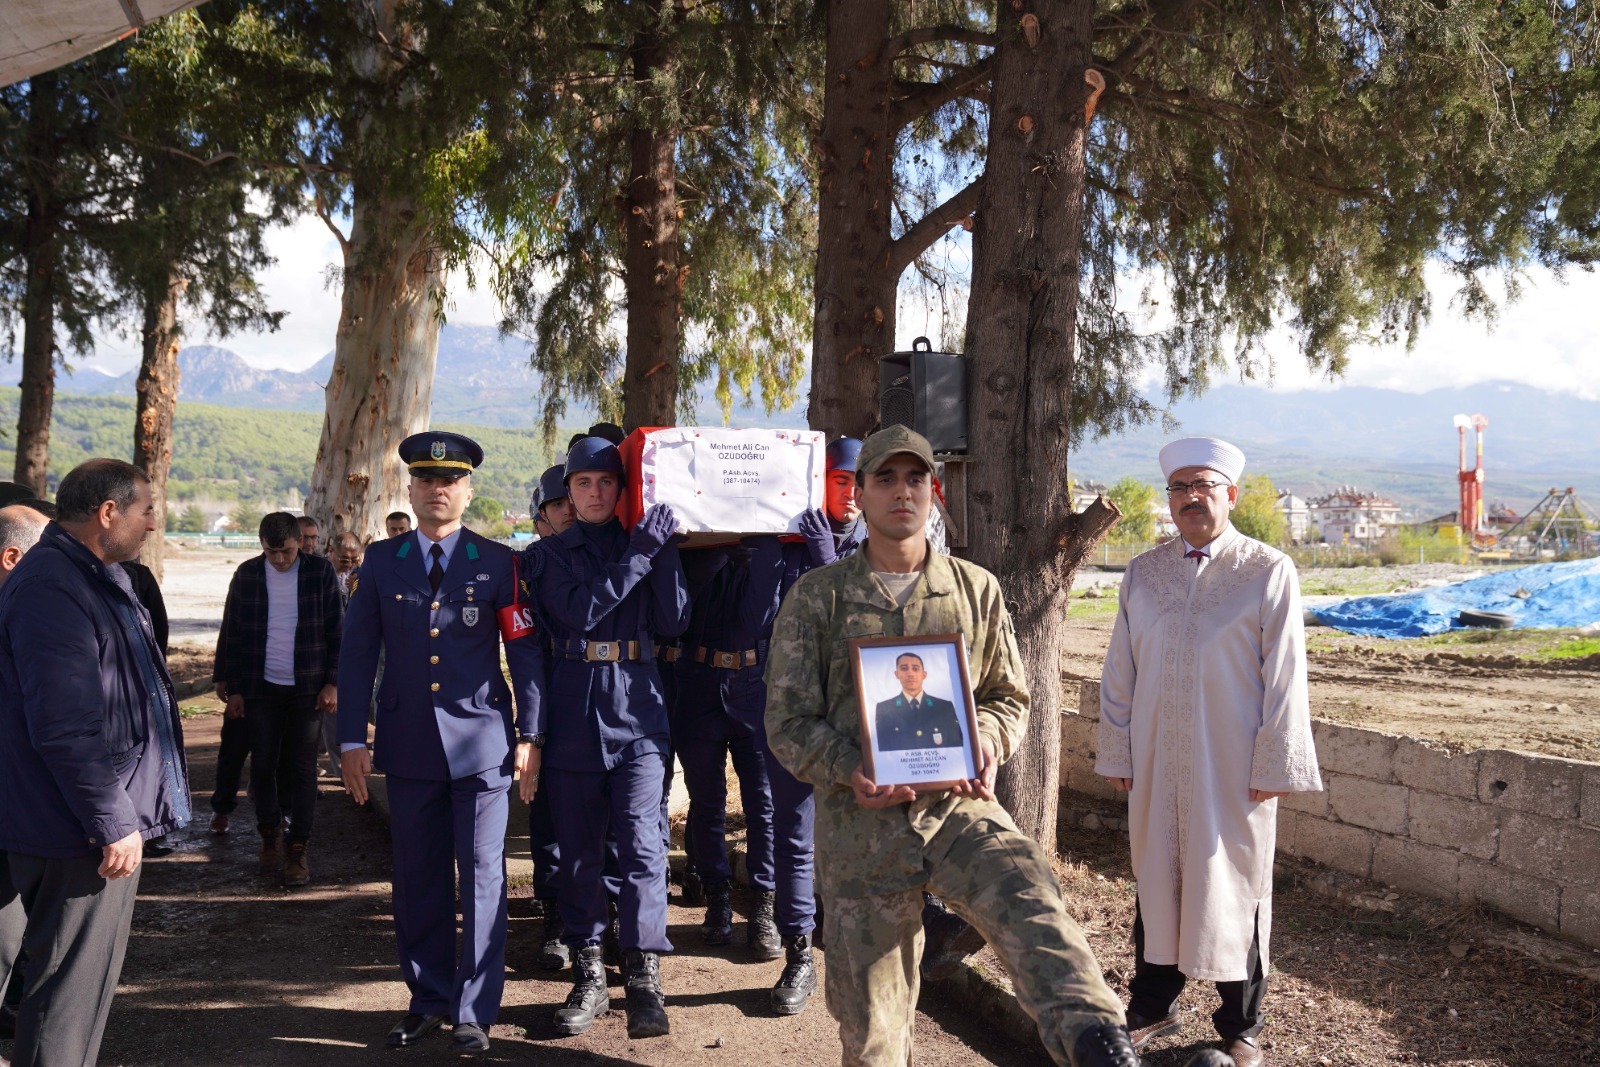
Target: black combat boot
<point>553,952</point>
<point>694,890</point>
<point>718,927</point>
<point>799,979</point>
<point>948,940</point>
<point>647,1008</point>
<point>1105,1045</point>
<point>761,933</point>
<point>612,940</point>
<point>589,998</point>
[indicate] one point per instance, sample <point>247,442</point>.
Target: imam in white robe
<point>1204,698</point>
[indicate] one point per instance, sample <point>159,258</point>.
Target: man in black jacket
<point>278,656</point>
<point>91,754</point>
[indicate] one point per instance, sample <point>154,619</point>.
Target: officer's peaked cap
<point>842,454</point>
<point>440,454</point>
<point>593,454</point>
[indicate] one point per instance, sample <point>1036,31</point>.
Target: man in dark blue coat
<point>606,593</point>
<point>431,600</point>
<point>91,754</point>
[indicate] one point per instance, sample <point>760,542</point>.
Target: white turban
<point>1207,452</point>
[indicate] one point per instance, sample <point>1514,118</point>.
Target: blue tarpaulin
<point>1558,594</point>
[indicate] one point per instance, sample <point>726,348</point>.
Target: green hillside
<point>243,454</point>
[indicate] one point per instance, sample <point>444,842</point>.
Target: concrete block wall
<point>1517,832</point>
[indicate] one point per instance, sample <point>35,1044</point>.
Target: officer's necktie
<point>436,572</point>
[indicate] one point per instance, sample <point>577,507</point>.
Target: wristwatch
<point>536,740</point>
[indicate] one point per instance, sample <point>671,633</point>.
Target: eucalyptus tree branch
<point>929,34</point>
<point>922,99</point>
<point>932,226</point>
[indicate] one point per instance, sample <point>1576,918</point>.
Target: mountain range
<point>1401,444</point>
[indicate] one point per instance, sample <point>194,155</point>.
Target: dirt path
<point>228,968</point>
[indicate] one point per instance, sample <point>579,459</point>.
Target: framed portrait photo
<point>919,726</point>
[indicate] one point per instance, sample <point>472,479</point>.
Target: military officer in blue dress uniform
<point>430,600</point>
<point>914,718</point>
<point>606,592</point>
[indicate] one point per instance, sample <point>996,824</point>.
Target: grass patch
<point>194,711</point>
<point>1573,648</point>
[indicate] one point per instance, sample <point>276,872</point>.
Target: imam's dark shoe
<point>647,1008</point>
<point>1142,1030</point>
<point>413,1028</point>
<point>553,952</point>
<point>948,940</point>
<point>1244,1052</point>
<point>589,998</point>
<point>469,1038</point>
<point>1104,1045</point>
<point>799,978</point>
<point>718,926</point>
<point>761,933</point>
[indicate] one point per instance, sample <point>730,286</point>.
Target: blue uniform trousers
<point>440,828</point>
<point>794,818</point>
<point>545,850</point>
<point>705,773</point>
<point>625,800</point>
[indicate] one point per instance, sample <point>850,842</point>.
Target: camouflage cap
<point>892,441</point>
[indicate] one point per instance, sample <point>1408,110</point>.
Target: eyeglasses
<point>1185,488</point>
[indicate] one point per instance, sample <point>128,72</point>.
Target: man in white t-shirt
<point>277,661</point>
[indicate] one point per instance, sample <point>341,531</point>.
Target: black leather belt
<point>728,661</point>
<point>603,651</point>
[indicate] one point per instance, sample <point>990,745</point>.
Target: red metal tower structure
<point>1471,478</point>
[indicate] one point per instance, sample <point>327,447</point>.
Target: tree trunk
<point>653,278</point>
<point>157,391</point>
<point>1020,343</point>
<point>381,388</point>
<point>40,259</point>
<point>855,289</point>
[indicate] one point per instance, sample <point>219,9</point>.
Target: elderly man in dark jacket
<point>91,754</point>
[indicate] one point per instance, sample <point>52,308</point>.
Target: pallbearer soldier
<point>432,602</point>
<point>723,702</point>
<point>879,846</point>
<point>552,515</point>
<point>606,592</point>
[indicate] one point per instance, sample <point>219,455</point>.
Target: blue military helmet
<point>552,487</point>
<point>842,454</point>
<point>593,454</point>
<point>440,454</point>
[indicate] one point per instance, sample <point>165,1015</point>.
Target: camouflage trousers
<point>998,879</point>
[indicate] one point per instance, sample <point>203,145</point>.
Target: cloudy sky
<point>1542,340</point>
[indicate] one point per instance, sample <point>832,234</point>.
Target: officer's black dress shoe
<point>413,1028</point>
<point>470,1037</point>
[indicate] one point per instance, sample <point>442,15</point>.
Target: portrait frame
<point>889,749</point>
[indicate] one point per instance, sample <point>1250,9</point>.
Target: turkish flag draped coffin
<point>722,483</point>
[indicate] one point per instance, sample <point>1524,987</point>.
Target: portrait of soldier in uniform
<point>914,718</point>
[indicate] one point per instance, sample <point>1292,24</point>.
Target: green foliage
<point>246,518</point>
<point>1256,514</point>
<point>237,454</point>
<point>488,516</point>
<point>193,520</point>
<point>1137,500</point>
<point>1257,165</point>
<point>1411,544</point>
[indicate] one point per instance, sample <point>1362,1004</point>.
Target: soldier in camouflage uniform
<point>878,847</point>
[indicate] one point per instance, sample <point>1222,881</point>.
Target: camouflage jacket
<point>814,726</point>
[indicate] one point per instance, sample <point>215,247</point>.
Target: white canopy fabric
<point>39,35</point>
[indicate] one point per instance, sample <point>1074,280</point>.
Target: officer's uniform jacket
<point>813,724</point>
<point>932,725</point>
<point>594,589</point>
<point>444,709</point>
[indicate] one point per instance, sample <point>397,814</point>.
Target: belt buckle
<point>602,651</point>
<point>727,660</point>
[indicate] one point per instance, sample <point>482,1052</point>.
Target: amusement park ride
<point>1557,524</point>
